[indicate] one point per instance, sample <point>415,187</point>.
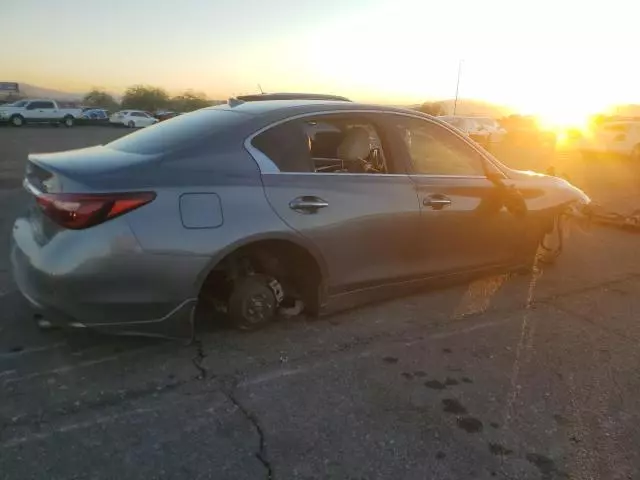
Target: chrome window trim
<point>343,174</point>
<point>267,166</point>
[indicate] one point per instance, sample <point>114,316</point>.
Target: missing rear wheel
<point>253,302</point>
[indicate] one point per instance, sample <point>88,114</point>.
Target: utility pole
<point>455,102</point>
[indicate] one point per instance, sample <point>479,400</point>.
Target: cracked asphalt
<point>512,376</point>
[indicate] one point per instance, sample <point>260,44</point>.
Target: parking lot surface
<point>512,376</point>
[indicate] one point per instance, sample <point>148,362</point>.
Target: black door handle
<point>436,202</point>
<point>307,204</point>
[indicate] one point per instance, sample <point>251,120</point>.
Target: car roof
<point>285,108</point>
<point>261,97</point>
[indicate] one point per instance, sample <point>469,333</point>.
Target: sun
<point>564,115</point>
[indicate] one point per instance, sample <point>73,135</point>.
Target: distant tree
<point>189,101</point>
<point>100,99</point>
<point>144,97</point>
<point>432,108</point>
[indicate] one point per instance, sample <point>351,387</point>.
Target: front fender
<point>545,193</point>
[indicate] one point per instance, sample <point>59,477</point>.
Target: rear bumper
<point>103,280</point>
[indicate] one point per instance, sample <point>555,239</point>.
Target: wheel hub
<point>257,307</point>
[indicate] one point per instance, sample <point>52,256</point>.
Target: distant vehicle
<point>484,130</point>
<point>161,116</point>
<point>249,209</point>
<point>132,118</point>
<point>38,111</point>
<point>95,114</point>
<point>613,138</point>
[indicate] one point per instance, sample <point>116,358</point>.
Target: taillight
<point>83,210</point>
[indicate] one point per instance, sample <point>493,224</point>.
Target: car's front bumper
<point>103,280</point>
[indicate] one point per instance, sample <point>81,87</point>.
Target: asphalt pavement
<point>512,376</point>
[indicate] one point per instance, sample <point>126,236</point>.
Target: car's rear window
<point>177,132</point>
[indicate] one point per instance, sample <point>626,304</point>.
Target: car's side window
<point>326,144</point>
<point>47,105</point>
<point>433,150</point>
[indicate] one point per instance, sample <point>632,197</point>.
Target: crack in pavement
<point>261,454</point>
<point>198,359</point>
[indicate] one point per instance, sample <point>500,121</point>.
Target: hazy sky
<point>555,57</point>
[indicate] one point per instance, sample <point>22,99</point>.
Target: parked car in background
<point>620,138</point>
<point>248,208</point>
<point>132,118</point>
<point>38,111</point>
<point>95,114</point>
<point>484,130</point>
<point>161,116</point>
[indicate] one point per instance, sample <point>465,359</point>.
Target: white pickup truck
<point>38,111</point>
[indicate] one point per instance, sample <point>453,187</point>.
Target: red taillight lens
<point>79,210</point>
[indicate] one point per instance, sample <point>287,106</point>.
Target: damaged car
<point>255,209</point>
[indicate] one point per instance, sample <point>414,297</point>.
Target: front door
<point>336,188</point>
<point>465,222</point>
<point>36,111</point>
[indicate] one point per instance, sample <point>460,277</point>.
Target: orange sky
<point>561,59</point>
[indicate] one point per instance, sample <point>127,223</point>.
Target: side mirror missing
<point>495,178</point>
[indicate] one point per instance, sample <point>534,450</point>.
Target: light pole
<point>455,102</point>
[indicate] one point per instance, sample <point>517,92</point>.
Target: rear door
<point>144,119</point>
<point>365,224</point>
<point>464,223</point>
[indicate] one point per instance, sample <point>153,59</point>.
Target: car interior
<point>340,145</point>
<point>345,147</point>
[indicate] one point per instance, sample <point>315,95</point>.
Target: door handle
<point>307,204</point>
<point>436,202</point>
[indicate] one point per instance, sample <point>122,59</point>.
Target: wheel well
<point>295,268</point>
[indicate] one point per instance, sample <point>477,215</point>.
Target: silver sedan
<point>255,208</point>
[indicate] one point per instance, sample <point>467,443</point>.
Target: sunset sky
<point>561,59</point>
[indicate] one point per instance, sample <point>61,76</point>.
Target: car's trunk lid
<point>78,170</point>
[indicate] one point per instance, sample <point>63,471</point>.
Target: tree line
<point>149,99</point>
